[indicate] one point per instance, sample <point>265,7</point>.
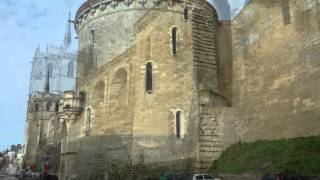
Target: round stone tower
<point>108,28</point>
<point>145,69</point>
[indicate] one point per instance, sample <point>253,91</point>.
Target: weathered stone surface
<point>134,128</point>
<point>258,80</point>
<point>42,130</point>
<point>276,69</point>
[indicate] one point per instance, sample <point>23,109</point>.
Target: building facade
<point>53,72</point>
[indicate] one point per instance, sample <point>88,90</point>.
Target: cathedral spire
<point>67,35</point>
<point>38,52</point>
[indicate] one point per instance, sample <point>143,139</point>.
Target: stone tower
<point>148,79</point>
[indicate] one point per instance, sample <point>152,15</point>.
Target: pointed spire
<point>67,35</point>
<point>47,85</point>
<point>38,52</point>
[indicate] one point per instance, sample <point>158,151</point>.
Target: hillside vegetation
<point>301,155</point>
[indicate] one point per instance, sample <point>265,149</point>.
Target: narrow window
<point>92,34</point>
<point>50,70</point>
<point>57,107</point>
<point>37,107</point>
<point>286,12</point>
<point>91,45</point>
<point>88,122</point>
<point>149,77</point>
<point>174,40</point>
<point>185,14</point>
<point>70,69</point>
<point>92,37</point>
<point>178,124</point>
<point>48,108</point>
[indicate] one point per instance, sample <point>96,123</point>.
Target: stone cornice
<point>91,7</point>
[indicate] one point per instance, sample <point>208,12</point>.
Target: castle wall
<point>276,69</point>
<point>224,57</point>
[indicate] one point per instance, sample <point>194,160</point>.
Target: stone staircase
<point>210,144</point>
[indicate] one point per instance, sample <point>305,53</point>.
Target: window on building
<point>178,124</point>
<point>70,69</point>
<point>36,107</point>
<point>48,108</point>
<point>286,12</point>
<point>57,107</point>
<point>186,14</point>
<point>67,107</point>
<point>174,40</point>
<point>88,122</point>
<point>83,98</point>
<point>92,36</point>
<point>50,70</point>
<point>149,77</point>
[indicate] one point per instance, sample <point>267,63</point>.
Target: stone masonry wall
<point>276,69</point>
<point>204,26</point>
<point>112,74</point>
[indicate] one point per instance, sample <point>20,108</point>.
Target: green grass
<point>301,155</point>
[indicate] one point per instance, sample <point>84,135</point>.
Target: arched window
<point>178,124</point>
<point>185,14</point>
<point>48,107</point>
<point>174,40</point>
<point>70,69</point>
<point>67,107</point>
<point>149,77</point>
<point>36,107</point>
<point>50,70</point>
<point>88,122</point>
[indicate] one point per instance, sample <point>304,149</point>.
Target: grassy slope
<point>300,155</point>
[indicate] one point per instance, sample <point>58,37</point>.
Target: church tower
<point>53,72</point>
<point>59,61</point>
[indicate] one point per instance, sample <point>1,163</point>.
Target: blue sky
<point>26,24</point>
